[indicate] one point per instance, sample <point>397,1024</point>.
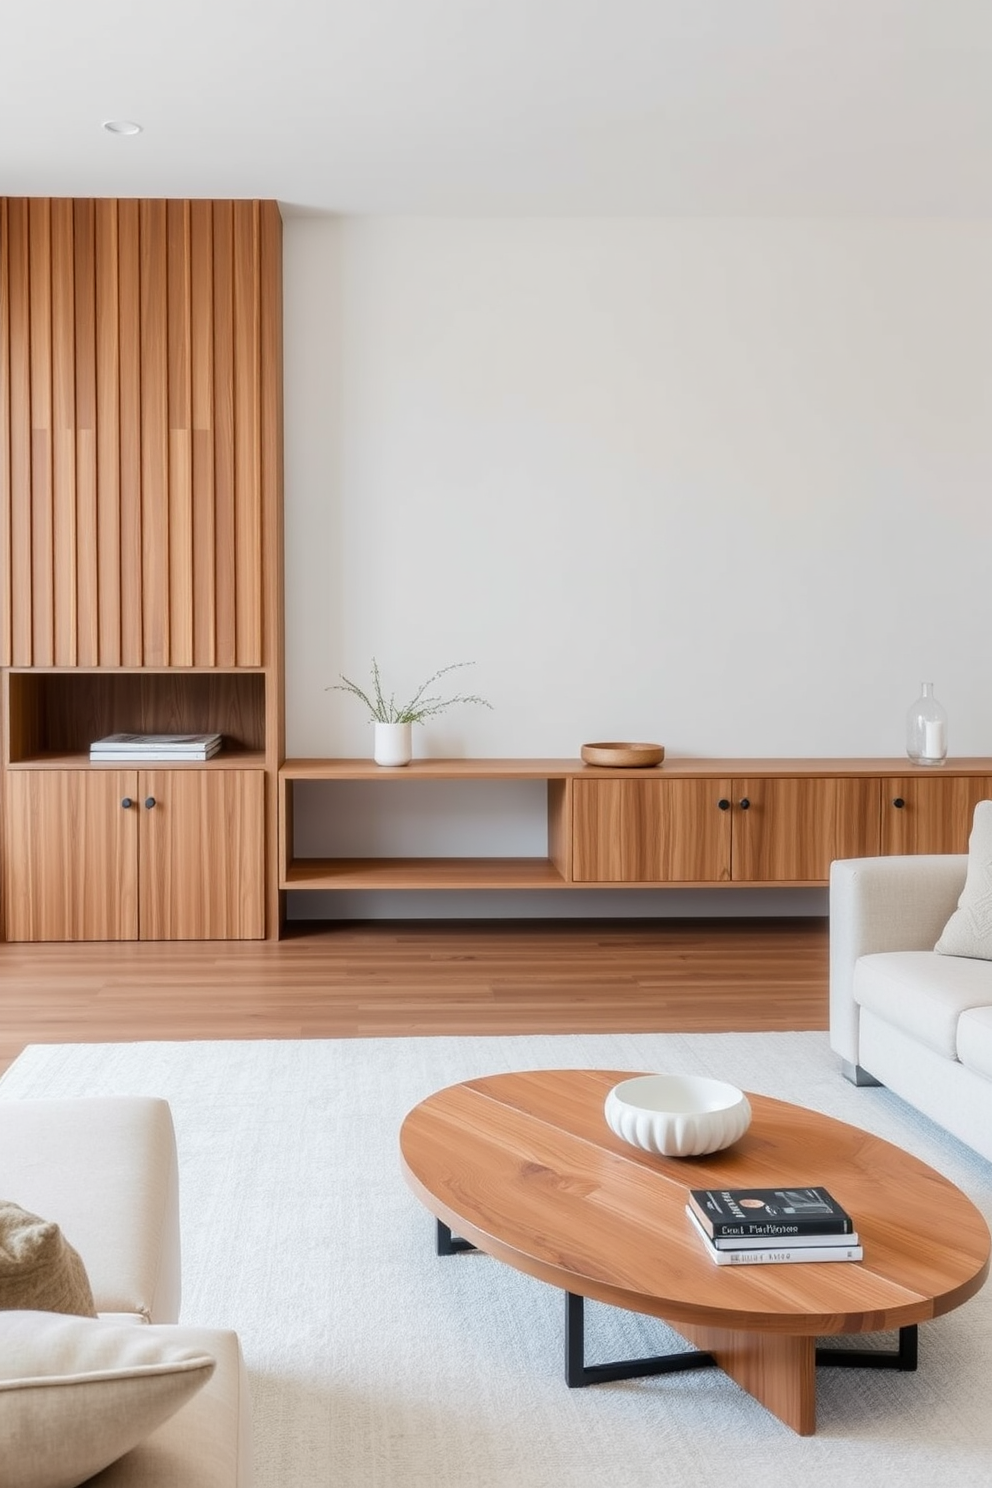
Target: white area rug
<point>375,1364</point>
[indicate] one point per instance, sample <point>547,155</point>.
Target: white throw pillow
<point>969,930</point>
<point>77,1393</point>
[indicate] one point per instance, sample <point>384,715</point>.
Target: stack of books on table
<point>755,1226</point>
<point>160,748</point>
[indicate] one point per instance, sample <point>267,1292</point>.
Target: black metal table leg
<point>578,1372</point>
<point>449,1244</point>
<point>905,1357</point>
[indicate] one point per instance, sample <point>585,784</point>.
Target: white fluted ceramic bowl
<point>677,1115</point>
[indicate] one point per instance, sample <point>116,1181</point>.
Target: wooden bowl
<point>623,756</point>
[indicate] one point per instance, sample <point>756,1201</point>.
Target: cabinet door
<point>650,831</point>
<point>71,855</point>
<point>201,860</point>
<point>930,814</point>
<point>791,830</point>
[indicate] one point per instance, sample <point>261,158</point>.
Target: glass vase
<point>926,729</point>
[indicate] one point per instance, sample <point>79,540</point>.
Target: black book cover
<point>774,1212</point>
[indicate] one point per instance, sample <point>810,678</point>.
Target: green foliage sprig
<point>422,705</point>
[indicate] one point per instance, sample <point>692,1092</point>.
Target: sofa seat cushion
<point>975,1041</point>
<point>76,1393</point>
<point>923,993</point>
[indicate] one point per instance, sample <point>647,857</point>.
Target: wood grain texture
<point>19,587</point>
<point>526,1168</point>
<point>650,831</point>
<point>70,856</point>
<point>202,855</point>
<point>110,548</point>
<point>378,978</point>
<point>794,829</point>
<point>5,454</point>
<point>142,432</point>
<point>87,556</point>
<point>936,815</point>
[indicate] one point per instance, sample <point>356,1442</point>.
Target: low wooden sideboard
<point>690,823</point>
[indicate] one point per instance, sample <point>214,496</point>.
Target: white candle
<point>933,746</point>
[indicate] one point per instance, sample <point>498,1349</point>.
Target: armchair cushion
<point>969,930</point>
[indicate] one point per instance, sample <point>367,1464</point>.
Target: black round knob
<point>745,803</point>
<point>724,804</point>
<point>899,803</point>
<point>150,802</point>
<point>127,802</point>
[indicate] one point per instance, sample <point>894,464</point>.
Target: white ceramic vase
<point>393,744</point>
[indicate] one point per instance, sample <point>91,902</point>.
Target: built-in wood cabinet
<point>923,813</point>
<point>141,558</point>
<point>126,854</point>
<point>744,830</point>
<point>690,823</point>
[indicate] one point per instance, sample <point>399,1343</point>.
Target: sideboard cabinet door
<point>71,855</point>
<point>791,830</point>
<point>932,813</point>
<point>641,831</point>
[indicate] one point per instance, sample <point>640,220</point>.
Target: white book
<point>776,1255</point>
<point>175,758</point>
<point>157,743</point>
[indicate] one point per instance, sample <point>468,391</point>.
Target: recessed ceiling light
<point>121,126</point>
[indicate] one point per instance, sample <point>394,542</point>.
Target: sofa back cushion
<point>969,930</point>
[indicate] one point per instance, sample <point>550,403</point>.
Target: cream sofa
<point>105,1171</point>
<point>901,1014</point>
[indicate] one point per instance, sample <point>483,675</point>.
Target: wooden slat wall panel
<point>108,434</point>
<point>63,425</point>
<point>248,475</point>
<point>84,276</point>
<point>202,413</point>
<point>136,427</point>
<point>224,490</point>
<point>40,301</point>
<point>128,248</point>
<point>19,577</point>
<point>180,514</point>
<point>154,434</point>
<point>4,431</point>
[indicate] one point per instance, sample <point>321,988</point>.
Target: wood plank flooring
<point>378,979</point>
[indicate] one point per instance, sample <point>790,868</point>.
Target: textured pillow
<point>77,1393</point>
<point>969,930</point>
<point>38,1267</point>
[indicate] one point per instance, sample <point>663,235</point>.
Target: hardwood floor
<point>378,978</point>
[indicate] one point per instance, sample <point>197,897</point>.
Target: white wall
<point>722,484</point>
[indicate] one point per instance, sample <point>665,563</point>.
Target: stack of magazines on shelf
<point>160,748</point>
<point>755,1226</point>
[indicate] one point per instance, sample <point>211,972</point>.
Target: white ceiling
<point>687,107</point>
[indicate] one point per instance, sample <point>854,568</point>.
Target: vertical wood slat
<point>247,426</point>
<point>108,434</point>
<point>87,530</point>
<point>140,446</point>
<point>180,453</point>
<point>40,310</point>
<point>5,457</point>
<point>154,433</point>
<point>129,292</point>
<point>18,274</point>
<point>63,424</point>
<point>202,414</point>
<point>224,465</point>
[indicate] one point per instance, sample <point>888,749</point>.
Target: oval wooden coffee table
<point>524,1167</point>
